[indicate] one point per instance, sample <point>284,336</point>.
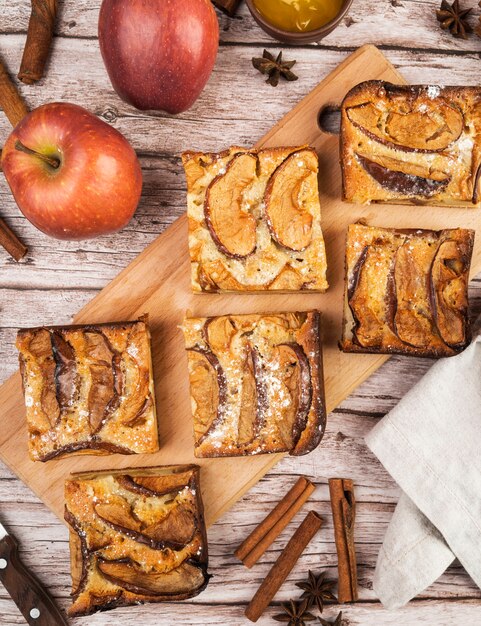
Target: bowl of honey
<point>298,21</point>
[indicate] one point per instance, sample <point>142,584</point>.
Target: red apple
<point>72,175</point>
<point>159,54</point>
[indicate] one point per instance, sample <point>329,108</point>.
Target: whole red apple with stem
<point>72,175</point>
<point>159,54</point>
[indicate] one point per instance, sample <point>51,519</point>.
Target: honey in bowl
<point>298,16</point>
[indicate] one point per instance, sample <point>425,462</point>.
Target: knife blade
<point>34,602</point>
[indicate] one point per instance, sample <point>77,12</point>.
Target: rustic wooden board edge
<point>272,461</point>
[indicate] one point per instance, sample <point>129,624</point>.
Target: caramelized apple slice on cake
<point>134,544</point>
<point>406,291</point>
<point>261,388</point>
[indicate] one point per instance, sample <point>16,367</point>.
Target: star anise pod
<point>295,613</point>
<point>274,67</point>
<point>453,18</point>
<point>317,590</point>
<point>337,622</point>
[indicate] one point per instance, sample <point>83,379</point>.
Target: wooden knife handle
<point>34,603</point>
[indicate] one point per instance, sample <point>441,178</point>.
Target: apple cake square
<point>88,389</point>
<point>256,383</point>
<point>136,535</point>
<point>255,220</point>
<point>416,144</point>
<point>406,291</point>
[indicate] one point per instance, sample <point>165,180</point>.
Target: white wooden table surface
<point>57,278</point>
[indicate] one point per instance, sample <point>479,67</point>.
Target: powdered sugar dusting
<point>254,347</point>
<point>433,91</point>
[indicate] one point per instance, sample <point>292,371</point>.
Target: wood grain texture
<point>408,23</point>
<point>58,278</point>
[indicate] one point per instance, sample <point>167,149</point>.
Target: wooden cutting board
<point>158,282</point>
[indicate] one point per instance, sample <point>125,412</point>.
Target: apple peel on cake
<point>255,220</point>
<point>256,383</point>
<point>417,144</point>
<point>406,291</point>
<point>88,389</point>
<point>136,535</point>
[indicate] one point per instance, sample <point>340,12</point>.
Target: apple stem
<point>52,161</point>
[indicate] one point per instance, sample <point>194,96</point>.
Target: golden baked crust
<point>406,291</point>
<point>88,389</point>
<point>136,535</point>
<point>256,383</point>
<point>255,220</point>
<point>411,144</point>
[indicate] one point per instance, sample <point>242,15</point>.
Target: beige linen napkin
<point>430,443</point>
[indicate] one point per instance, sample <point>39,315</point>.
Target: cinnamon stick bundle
<point>343,506</point>
<point>228,6</point>
<point>283,566</point>
<point>252,548</point>
<point>39,37</point>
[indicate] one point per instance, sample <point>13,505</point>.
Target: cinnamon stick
<point>228,6</point>
<point>283,566</point>
<point>11,243</point>
<point>39,38</point>
<point>252,548</point>
<point>15,109</point>
<point>11,101</point>
<point>343,506</point>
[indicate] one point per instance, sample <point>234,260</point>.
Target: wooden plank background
<point>57,278</point>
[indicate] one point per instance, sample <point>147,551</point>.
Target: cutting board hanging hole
<point>329,119</point>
